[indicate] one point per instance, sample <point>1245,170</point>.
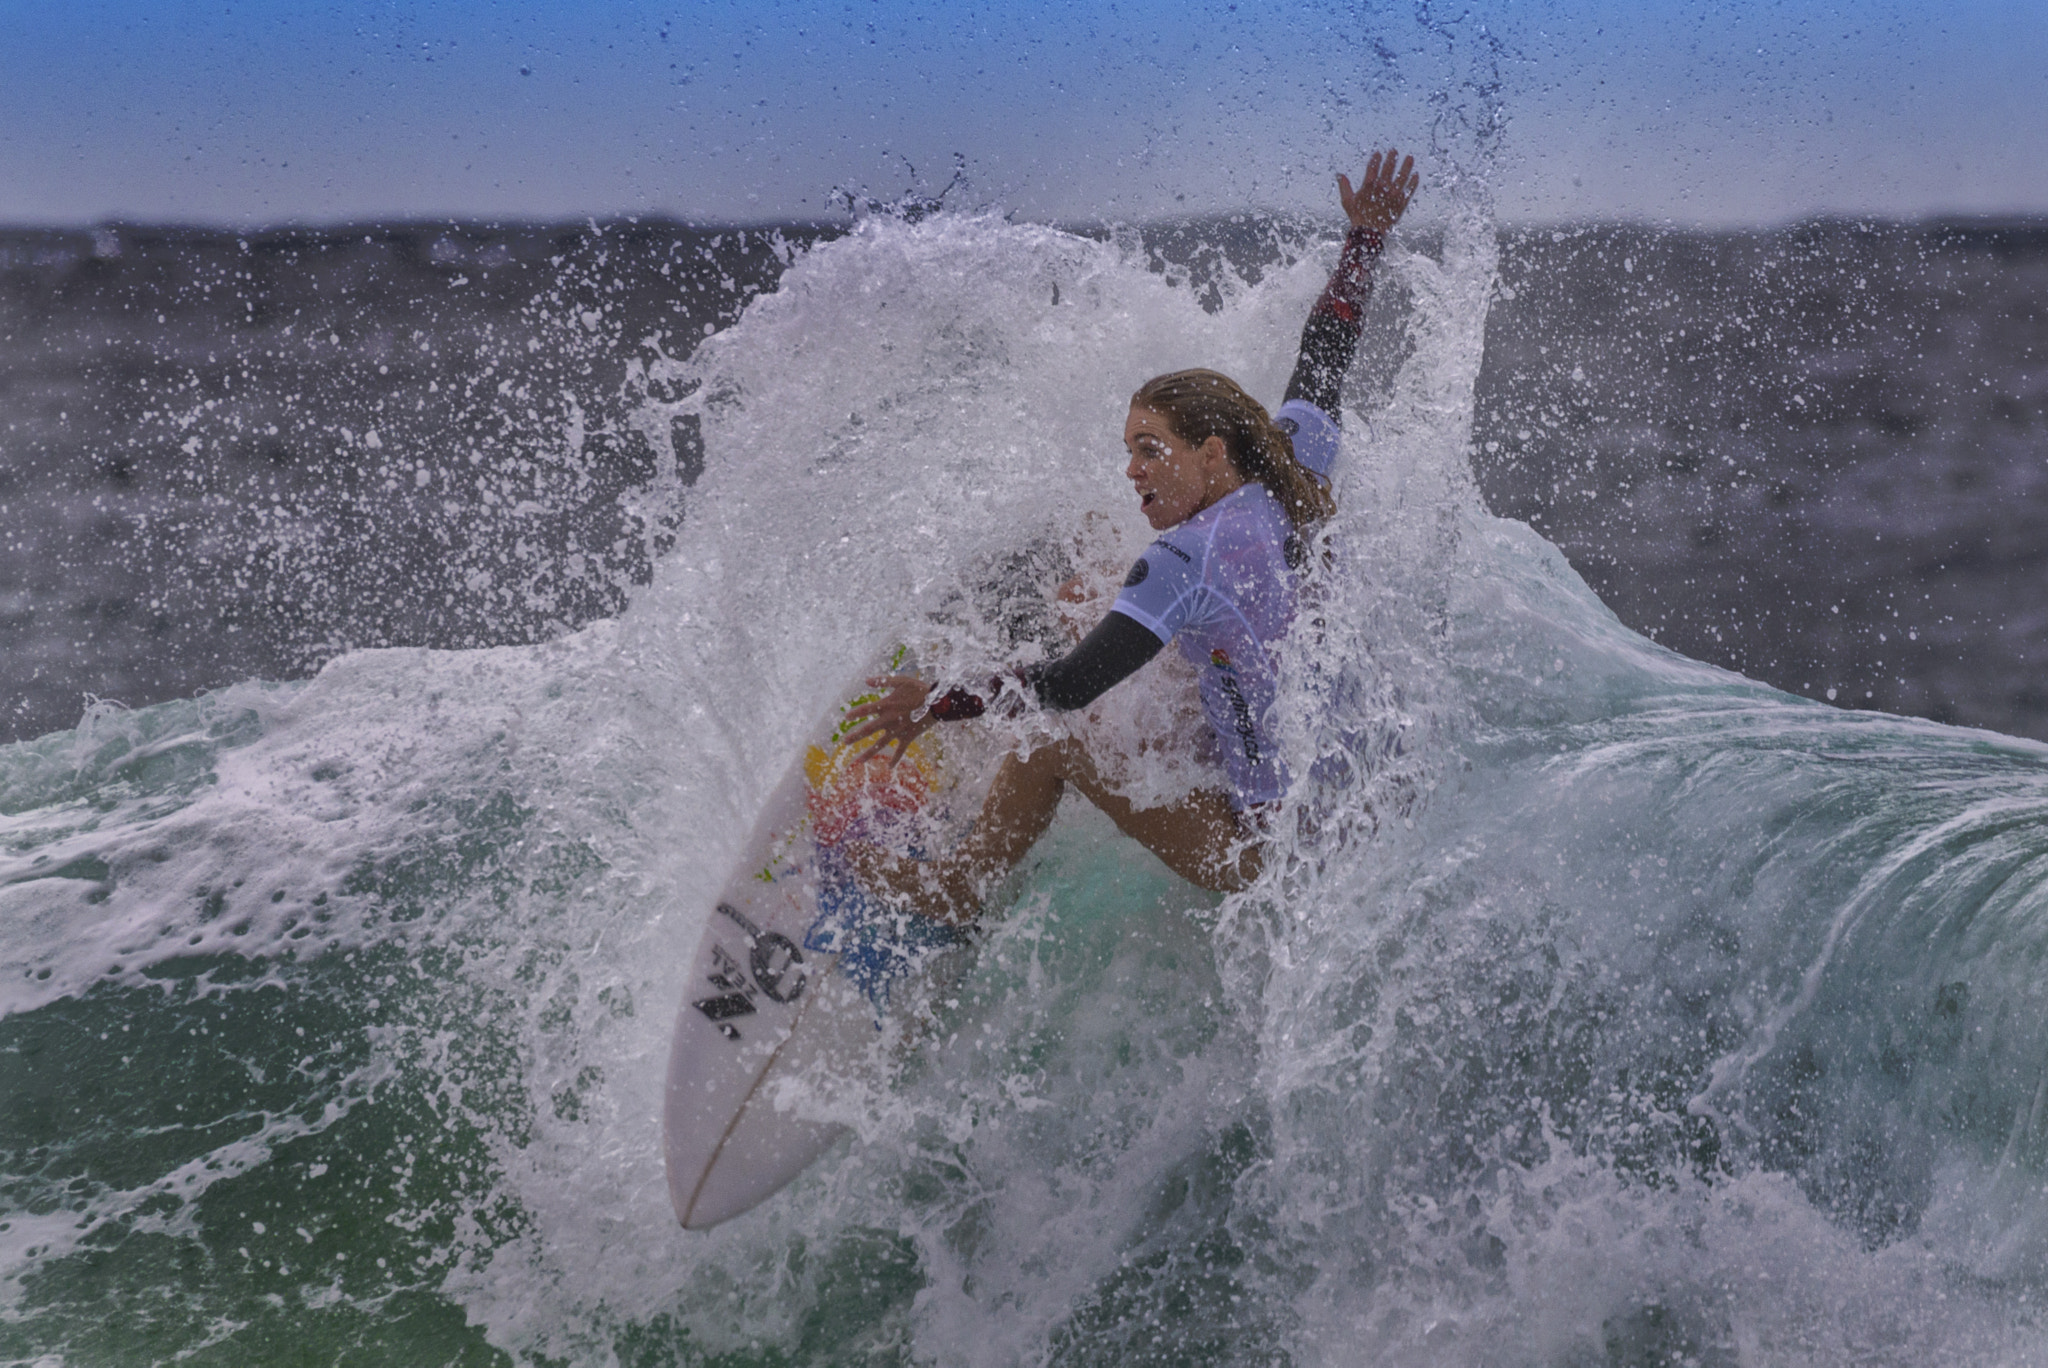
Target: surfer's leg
<point>1199,837</point>
<point>1019,807</point>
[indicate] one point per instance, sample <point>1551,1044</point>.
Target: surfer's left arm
<point>905,709</point>
<point>1330,337</point>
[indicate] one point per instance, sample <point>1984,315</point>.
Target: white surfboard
<point>768,999</point>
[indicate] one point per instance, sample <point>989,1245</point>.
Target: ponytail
<point>1200,404</point>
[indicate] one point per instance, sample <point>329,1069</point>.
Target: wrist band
<point>956,705</point>
<point>1351,283</point>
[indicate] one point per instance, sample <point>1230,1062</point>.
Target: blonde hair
<point>1200,404</point>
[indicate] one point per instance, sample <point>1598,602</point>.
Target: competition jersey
<point>1314,433</point>
<point>1219,586</point>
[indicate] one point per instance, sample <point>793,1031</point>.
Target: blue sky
<point>1735,112</point>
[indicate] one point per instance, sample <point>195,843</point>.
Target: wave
<point>1601,1006</point>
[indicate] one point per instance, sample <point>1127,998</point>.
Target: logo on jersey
<point>1241,717</point>
<point>1137,575</point>
<point>1221,659</point>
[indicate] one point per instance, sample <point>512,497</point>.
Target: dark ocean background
<point>1812,454</point>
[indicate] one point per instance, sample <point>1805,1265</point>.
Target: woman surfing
<point>1234,494</point>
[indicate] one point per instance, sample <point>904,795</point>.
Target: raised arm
<point>1330,336</point>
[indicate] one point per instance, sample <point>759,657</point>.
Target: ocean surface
<point>401,627</point>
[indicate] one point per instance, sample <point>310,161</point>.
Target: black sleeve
<point>1327,346</point>
<point>1330,337</point>
<point>1106,656</point>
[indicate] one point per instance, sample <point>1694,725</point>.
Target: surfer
<point>1235,495</point>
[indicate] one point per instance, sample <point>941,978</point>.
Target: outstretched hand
<point>1382,196</point>
<point>895,719</point>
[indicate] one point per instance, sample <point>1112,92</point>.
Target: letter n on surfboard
<point>778,972</point>
<point>735,1002</point>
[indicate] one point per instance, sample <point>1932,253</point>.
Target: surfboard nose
<point>725,1145</point>
<point>760,1154</point>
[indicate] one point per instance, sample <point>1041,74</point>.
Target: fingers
<point>880,749</point>
<point>1380,198</point>
<point>894,683</point>
<point>1380,172</point>
<point>883,728</point>
<point>891,720</point>
<point>902,694</point>
<point>883,732</point>
<point>862,732</point>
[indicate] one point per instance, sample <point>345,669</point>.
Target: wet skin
<point>1174,479</point>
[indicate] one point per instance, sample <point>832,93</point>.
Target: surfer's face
<point>1174,479</point>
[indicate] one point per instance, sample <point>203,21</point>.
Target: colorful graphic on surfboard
<point>793,974</point>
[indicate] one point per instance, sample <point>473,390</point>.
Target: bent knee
<point>1235,871</point>
<point>1065,759</point>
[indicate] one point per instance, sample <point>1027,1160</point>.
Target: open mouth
<point>1145,498</point>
